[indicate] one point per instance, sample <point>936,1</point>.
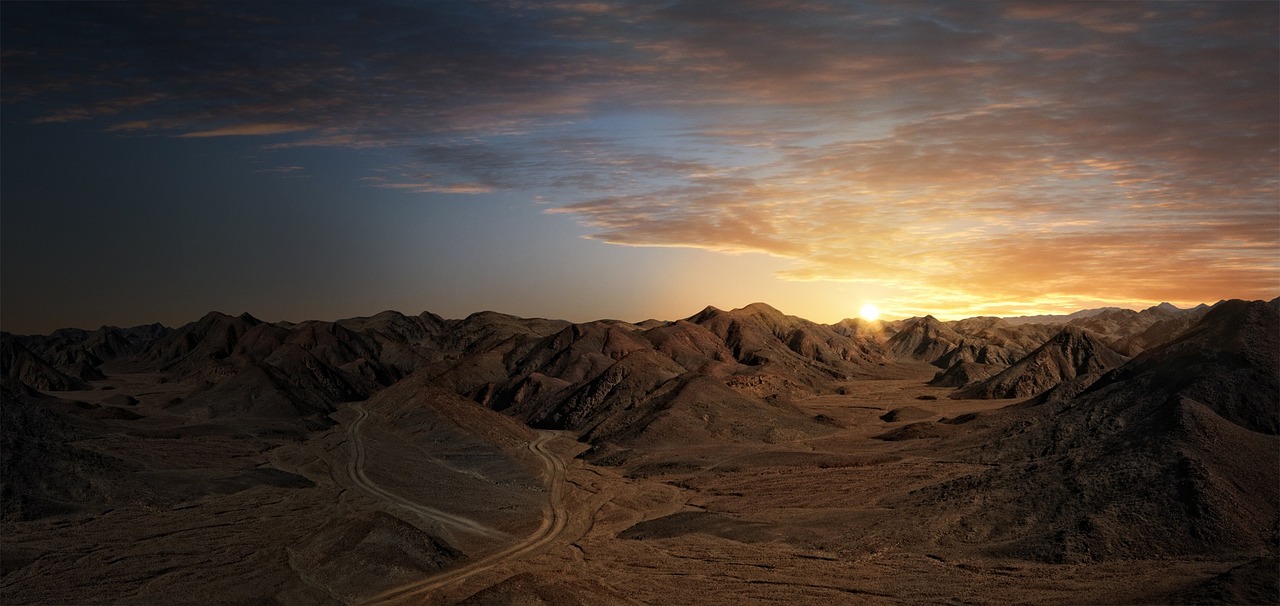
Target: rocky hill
<point>1071,354</point>
<point>606,379</point>
<point>924,340</point>
<point>1158,457</point>
<point>819,445</point>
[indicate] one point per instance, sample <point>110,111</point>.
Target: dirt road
<point>554,517</point>
<point>355,471</point>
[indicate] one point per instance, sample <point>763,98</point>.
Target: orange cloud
<point>974,157</point>
<point>248,130</point>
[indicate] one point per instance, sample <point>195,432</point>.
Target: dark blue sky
<point>633,159</point>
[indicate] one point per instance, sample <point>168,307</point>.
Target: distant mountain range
<point>1088,313</point>
<point>611,380</point>
<point>1160,416</point>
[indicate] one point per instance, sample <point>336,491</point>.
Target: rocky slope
<point>1165,455</point>
<point>1071,354</point>
<point>1130,332</point>
<point>925,340</point>
<point>1168,454</point>
<point>21,365</point>
<point>608,380</point>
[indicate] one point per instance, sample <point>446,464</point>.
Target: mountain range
<point>1115,433</point>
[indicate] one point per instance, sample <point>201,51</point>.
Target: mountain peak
<point>761,309</point>
<point>708,312</point>
<point>1165,307</point>
<point>1073,352</point>
<point>925,339</point>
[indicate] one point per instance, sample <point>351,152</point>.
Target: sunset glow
<point>631,160</point>
<point>869,312</point>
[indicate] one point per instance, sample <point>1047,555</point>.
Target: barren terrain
<point>734,458</point>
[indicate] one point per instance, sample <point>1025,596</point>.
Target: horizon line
<point>939,317</point>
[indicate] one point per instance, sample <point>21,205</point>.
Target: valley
<point>741,457</point>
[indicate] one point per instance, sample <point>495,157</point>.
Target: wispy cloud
<point>1002,153</point>
<point>280,169</point>
<point>439,188</point>
<point>71,114</point>
<point>246,130</point>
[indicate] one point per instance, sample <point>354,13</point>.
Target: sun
<point>870,312</point>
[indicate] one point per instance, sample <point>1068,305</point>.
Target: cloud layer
<point>975,157</point>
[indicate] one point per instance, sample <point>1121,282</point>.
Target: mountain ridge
<point>828,440</point>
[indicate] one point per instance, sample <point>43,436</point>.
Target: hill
<point>1071,354</point>
<point>1159,457</point>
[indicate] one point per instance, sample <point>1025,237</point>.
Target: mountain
<point>1012,341</point>
<point>202,346</point>
<point>987,346</point>
<point>488,331</point>
<point>261,391</point>
<point>110,343</point>
<point>965,374</point>
<point>693,347</point>
<point>860,328</point>
<point>548,372</point>
<point>244,367</point>
<point>23,366</point>
<point>1227,361</point>
<point>1126,331</point>
<point>1060,318</point>
<point>1159,457</point>
<point>1162,326</point>
<point>717,376</point>
<point>922,339</point>
<point>778,431</point>
<point>404,343</point>
<point>78,354</point>
<point>788,354</point>
<point>1071,354</point>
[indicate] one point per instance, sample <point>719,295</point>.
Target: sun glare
<point>870,312</point>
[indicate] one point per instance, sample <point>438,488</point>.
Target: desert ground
<point>879,487</point>
<point>810,521</point>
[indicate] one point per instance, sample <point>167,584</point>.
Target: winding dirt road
<point>355,471</point>
<point>554,517</point>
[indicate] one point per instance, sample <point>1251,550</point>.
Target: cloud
<point>439,188</point>
<point>280,169</point>
<point>960,152</point>
<point>71,114</point>
<point>246,130</point>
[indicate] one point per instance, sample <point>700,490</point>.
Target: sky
<point>633,159</point>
